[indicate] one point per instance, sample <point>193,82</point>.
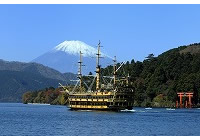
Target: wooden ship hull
<point>102,101</point>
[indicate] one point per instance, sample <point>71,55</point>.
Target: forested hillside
<point>49,96</point>
<point>157,79</point>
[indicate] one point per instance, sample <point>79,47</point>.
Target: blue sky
<point>127,31</point>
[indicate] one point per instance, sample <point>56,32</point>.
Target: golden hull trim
<point>87,107</point>
<point>100,100</point>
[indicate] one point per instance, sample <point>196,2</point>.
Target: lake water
<point>33,120</point>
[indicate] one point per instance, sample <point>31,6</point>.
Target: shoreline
<point>47,104</point>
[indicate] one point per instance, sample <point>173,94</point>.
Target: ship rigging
<point>116,95</point>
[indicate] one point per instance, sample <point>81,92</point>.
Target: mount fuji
<point>65,56</point>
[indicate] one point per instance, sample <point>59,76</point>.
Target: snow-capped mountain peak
<point>74,47</point>
<point>64,57</point>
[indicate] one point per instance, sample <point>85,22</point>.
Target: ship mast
<point>98,68</point>
<point>80,71</point>
<point>114,71</point>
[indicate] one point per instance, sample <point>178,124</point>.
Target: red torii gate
<point>183,94</point>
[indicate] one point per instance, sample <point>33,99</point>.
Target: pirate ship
<point>116,95</point>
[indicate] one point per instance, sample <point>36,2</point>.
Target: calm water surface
<point>33,120</point>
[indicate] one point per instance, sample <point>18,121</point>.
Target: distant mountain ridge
<point>17,78</point>
<point>65,56</point>
<point>31,67</point>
